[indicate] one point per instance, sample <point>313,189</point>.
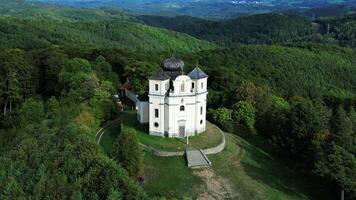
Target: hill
<point>232,175</point>
<point>308,70</point>
<point>31,33</point>
<point>35,10</point>
<point>221,9</point>
<point>342,28</point>
<point>263,28</point>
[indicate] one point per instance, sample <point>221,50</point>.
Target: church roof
<point>160,75</point>
<point>197,73</point>
<point>172,64</point>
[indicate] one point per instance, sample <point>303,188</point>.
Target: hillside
<point>342,28</point>
<point>310,71</point>
<point>35,10</point>
<point>233,170</point>
<point>221,9</point>
<point>263,28</point>
<point>30,33</point>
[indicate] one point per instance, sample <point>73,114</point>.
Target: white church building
<point>177,102</point>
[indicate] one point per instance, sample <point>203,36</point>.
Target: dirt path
<point>215,187</point>
<point>101,131</point>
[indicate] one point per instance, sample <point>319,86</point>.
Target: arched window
<point>181,108</point>
<point>182,87</point>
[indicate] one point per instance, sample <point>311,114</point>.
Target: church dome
<point>172,64</point>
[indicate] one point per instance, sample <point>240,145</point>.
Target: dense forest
<point>32,33</point>
<point>263,28</point>
<point>341,28</point>
<point>268,76</point>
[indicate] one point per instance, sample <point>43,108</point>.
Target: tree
<point>220,115</point>
<point>127,152</point>
<point>341,128</point>
<point>78,79</point>
<point>11,91</point>
<point>53,108</point>
<point>304,124</point>
<point>271,121</point>
<point>138,73</point>
<point>337,157</point>
<point>104,71</point>
<point>244,113</point>
<point>31,113</point>
<point>14,61</point>
<point>101,102</point>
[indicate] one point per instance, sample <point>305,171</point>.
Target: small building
<point>177,102</point>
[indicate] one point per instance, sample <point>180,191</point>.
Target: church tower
<point>199,87</point>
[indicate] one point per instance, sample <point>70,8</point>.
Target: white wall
<point>142,111</point>
<point>170,115</point>
<point>162,87</point>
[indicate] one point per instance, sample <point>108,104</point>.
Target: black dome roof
<point>172,64</point>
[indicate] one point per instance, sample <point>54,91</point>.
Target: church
<point>176,101</point>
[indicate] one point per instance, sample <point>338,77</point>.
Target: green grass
<point>109,138</point>
<point>257,175</point>
<point>252,173</point>
<point>210,138</point>
<point>169,177</point>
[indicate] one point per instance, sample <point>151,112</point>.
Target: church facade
<point>177,102</point>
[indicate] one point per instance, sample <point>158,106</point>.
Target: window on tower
<point>192,85</point>
<point>156,87</point>
<point>156,113</point>
<point>202,85</point>
<point>201,110</point>
<point>182,87</point>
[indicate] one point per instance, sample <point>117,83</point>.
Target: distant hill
<point>37,10</point>
<point>263,28</point>
<point>202,8</point>
<point>307,70</point>
<point>342,28</point>
<point>31,33</point>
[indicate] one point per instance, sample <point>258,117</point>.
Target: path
<point>99,134</point>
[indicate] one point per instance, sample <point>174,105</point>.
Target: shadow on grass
<point>262,167</point>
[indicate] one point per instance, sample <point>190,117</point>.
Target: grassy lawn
<point>170,177</point>
<point>251,172</point>
<point>210,138</point>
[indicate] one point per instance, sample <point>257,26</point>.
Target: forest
<point>272,75</point>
